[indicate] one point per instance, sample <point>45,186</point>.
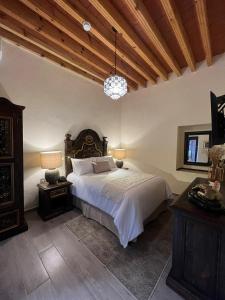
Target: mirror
<point>196,148</point>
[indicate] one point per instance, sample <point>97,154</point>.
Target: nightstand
<point>54,199</point>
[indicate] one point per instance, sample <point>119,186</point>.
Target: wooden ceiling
<point>155,37</point>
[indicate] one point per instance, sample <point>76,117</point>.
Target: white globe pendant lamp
<point>115,86</point>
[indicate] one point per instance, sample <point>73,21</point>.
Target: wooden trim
<point>66,25</point>
<point>75,11</point>
<point>175,21</point>
<point>201,11</point>
<point>108,11</point>
<point>33,48</point>
<point>146,22</point>
<point>28,18</point>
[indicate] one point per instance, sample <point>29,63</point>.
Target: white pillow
<point>109,159</point>
<point>82,166</point>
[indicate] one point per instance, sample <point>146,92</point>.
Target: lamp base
<point>52,176</point>
<point>119,164</point>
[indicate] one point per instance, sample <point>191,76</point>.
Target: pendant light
<point>115,86</point>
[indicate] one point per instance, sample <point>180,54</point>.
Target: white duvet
<point>129,197</point>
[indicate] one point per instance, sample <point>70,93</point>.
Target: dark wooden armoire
<point>11,169</point>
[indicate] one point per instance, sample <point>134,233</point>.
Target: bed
<point>121,200</point>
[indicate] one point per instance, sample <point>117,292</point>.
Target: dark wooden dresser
<point>11,169</point>
<point>198,260</point>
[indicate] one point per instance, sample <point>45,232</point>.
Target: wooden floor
<point>48,262</point>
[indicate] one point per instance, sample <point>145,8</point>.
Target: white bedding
<point>129,197</point>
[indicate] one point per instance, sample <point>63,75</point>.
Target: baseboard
<point>31,209</point>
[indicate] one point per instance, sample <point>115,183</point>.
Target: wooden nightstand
<point>54,199</point>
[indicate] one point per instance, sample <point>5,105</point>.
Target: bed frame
<point>88,144</point>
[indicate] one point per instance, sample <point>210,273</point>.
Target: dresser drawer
<point>59,192</point>
<point>9,220</point>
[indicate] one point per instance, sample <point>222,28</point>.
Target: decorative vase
<point>52,176</point>
<point>119,164</point>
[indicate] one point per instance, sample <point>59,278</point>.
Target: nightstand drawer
<point>59,192</point>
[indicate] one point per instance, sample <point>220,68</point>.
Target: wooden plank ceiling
<point>155,37</point>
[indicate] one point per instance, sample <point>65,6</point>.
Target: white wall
<point>145,122</point>
<point>57,102</point>
<point>150,118</point>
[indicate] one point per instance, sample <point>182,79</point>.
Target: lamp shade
<point>119,153</point>
<point>51,159</point>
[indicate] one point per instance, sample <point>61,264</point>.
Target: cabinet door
<point>6,137</point>
<point>6,185</point>
<point>201,257</point>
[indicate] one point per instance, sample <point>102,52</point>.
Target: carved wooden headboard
<point>87,144</point>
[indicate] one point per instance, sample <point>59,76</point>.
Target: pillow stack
<point>92,165</point>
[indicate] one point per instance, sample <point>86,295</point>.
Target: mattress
<point>128,197</point>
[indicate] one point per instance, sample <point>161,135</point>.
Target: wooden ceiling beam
<point>75,12</point>
<point>146,22</point>
<point>50,13</point>
<point>33,48</point>
<point>201,11</point>
<point>175,21</point>
<point>109,12</point>
<point>28,18</point>
<point>25,16</point>
<point>10,25</point>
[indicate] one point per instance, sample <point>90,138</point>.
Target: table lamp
<point>51,161</point>
<point>119,154</point>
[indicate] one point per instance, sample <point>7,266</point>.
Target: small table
<point>54,199</point>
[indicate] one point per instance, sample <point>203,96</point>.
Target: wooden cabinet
<point>54,199</point>
<point>11,169</point>
<point>198,261</point>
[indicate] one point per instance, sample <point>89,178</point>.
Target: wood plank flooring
<point>48,262</point>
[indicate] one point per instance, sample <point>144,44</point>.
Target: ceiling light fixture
<point>86,26</point>
<point>115,86</point>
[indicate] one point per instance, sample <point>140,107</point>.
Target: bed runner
<point>116,186</point>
